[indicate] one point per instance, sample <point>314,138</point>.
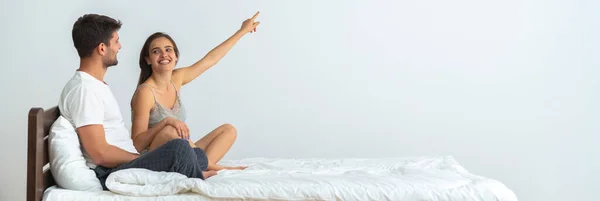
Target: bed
<point>418,178</point>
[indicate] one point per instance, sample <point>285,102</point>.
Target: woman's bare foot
<point>236,168</point>
<point>209,173</point>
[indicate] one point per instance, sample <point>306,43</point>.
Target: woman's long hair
<point>146,69</point>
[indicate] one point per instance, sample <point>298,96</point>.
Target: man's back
<point>86,100</point>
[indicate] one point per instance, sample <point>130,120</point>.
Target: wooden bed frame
<point>38,177</point>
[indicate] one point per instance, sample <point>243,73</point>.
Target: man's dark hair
<point>92,29</point>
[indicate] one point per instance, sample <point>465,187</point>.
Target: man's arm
<point>86,111</point>
<point>94,142</point>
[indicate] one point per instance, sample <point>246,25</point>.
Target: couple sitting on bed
<point>159,138</point>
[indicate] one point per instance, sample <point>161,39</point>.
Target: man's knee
<point>185,155</point>
<point>179,144</point>
<point>201,158</point>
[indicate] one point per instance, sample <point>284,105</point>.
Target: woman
<point>158,114</point>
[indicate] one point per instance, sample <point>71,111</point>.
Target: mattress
<point>420,178</point>
<point>55,193</point>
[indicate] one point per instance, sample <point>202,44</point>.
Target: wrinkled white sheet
<point>55,193</point>
<point>422,178</point>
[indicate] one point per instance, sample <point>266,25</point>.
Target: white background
<point>509,88</point>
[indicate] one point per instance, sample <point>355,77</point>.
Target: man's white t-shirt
<point>86,100</point>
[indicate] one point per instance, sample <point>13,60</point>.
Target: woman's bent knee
<point>168,132</point>
<point>230,130</point>
<point>229,127</point>
<point>163,136</point>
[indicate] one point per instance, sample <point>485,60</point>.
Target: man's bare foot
<point>209,173</point>
<point>236,168</point>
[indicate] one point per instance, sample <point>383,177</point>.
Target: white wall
<point>509,88</point>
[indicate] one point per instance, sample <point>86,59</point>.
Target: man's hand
<point>250,25</point>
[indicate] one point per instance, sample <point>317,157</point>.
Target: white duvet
<point>418,179</point>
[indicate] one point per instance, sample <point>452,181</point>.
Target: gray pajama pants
<point>174,156</point>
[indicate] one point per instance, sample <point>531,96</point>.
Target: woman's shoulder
<point>143,95</point>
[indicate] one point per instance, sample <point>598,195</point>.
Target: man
<point>89,105</point>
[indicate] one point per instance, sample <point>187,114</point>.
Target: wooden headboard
<point>38,178</point>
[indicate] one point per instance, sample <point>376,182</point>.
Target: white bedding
<point>423,178</point>
<point>58,194</point>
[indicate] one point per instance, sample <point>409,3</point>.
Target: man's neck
<point>94,68</point>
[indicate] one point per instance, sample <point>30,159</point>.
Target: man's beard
<point>108,62</point>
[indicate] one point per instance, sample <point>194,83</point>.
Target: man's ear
<point>101,49</point>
